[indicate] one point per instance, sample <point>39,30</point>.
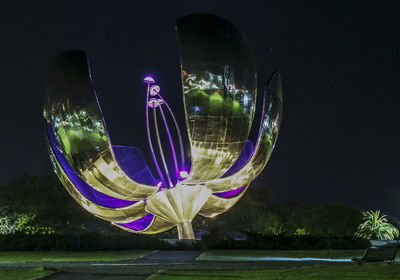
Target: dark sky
<point>339,140</point>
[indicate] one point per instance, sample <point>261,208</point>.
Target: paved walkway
<point>169,257</point>
<point>138,269</point>
<point>143,267</point>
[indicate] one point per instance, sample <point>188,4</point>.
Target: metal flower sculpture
<point>114,183</point>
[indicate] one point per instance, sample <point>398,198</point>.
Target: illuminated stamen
<point>160,148</point>
<point>179,133</point>
<point>154,90</point>
<point>150,80</point>
<point>155,100</point>
<point>171,143</point>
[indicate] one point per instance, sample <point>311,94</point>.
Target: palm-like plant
<point>375,226</point>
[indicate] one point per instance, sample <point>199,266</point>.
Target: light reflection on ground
<point>232,258</point>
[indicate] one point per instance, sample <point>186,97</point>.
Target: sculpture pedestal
<point>179,205</point>
<point>185,230</point>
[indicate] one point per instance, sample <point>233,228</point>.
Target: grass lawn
<point>22,274</point>
<point>347,272</point>
<point>242,255</point>
<point>49,256</point>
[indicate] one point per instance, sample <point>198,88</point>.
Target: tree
<point>12,222</point>
<point>328,220</point>
<point>375,226</point>
<point>49,206</point>
<point>9,222</point>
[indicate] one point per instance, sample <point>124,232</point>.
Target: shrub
<point>375,226</point>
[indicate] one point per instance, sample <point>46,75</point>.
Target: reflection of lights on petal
<point>204,84</point>
<point>245,100</point>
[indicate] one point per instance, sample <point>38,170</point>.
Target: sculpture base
<point>179,205</point>
<point>185,230</point>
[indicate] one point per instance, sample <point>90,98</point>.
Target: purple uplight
<point>139,224</point>
<point>90,193</point>
<point>230,193</point>
<point>134,165</point>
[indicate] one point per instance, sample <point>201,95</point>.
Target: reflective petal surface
<point>74,113</point>
<point>113,214</point>
<point>148,224</point>
<point>217,204</point>
<point>219,89</point>
<point>268,133</point>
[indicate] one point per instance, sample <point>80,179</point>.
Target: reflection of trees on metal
<point>219,89</point>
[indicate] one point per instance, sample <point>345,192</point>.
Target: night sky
<point>339,139</point>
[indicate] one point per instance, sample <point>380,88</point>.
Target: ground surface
<point>183,265</point>
<point>319,272</point>
<point>48,256</point>
<point>249,255</point>
<point>30,273</point>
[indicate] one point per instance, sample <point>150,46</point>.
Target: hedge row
<point>281,242</point>
<point>131,242</point>
<point>80,242</point>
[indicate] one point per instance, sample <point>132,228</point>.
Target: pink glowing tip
<point>183,174</point>
<point>149,79</point>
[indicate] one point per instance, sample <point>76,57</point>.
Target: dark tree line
<point>48,204</point>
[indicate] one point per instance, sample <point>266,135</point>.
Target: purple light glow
<point>139,224</point>
<point>134,165</point>
<point>86,190</point>
<point>230,193</point>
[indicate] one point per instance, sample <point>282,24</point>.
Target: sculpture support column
<point>185,230</point>
<point>179,205</point>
